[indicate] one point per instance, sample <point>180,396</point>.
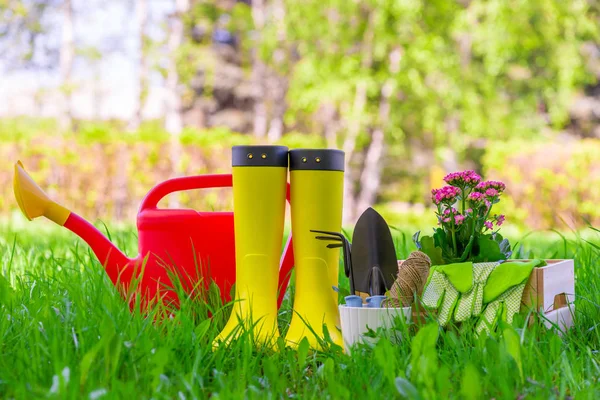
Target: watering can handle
<point>184,183</point>
<point>189,183</point>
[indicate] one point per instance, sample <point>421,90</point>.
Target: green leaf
<point>505,248</point>
<point>7,293</point>
<point>512,344</point>
<point>435,253</point>
<point>489,250</point>
<point>443,381</point>
<point>415,239</point>
<point>440,238</point>
<point>201,329</point>
<point>424,340</point>
<point>302,352</point>
<point>406,389</point>
<point>470,386</point>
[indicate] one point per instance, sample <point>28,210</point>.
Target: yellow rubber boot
<point>259,191</point>
<point>316,180</point>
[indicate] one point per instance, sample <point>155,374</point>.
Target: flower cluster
<point>446,195</point>
<point>463,179</point>
<point>450,215</point>
<point>498,219</point>
<point>476,198</point>
<point>483,187</point>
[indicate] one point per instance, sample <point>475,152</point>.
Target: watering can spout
<point>34,202</point>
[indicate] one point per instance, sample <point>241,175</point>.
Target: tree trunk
<point>276,126</point>
<point>141,10</point>
<point>67,55</point>
<point>173,117</point>
<point>370,179</point>
<point>278,78</point>
<point>259,71</point>
<point>360,101</point>
<point>331,125</point>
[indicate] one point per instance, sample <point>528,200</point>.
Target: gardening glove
<point>503,292</point>
<point>444,286</point>
<point>504,307</point>
<point>471,303</point>
<point>507,275</point>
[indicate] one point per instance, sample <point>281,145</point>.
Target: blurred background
<point>103,99</point>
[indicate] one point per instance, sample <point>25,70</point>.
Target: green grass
<point>66,333</point>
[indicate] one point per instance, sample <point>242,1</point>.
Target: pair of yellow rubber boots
<point>316,197</point>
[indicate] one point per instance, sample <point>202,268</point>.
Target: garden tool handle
<point>189,183</point>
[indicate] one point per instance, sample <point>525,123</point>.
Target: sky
<point>97,23</point>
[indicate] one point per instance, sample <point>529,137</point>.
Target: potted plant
<point>468,230</point>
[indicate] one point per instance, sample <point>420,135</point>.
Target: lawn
<point>66,333</point>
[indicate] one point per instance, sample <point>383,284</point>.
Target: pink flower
<point>488,224</point>
<point>459,219</point>
<point>446,195</point>
<point>469,211</point>
<point>476,198</point>
<point>488,204</point>
<point>484,186</point>
<point>491,192</point>
<point>463,179</point>
<point>450,211</point>
<point>500,220</point>
<point>446,220</point>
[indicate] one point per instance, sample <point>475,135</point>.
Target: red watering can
<point>196,247</point>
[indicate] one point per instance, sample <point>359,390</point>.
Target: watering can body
<point>176,246</point>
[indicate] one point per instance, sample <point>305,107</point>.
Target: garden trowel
<point>370,261</point>
<point>374,264</point>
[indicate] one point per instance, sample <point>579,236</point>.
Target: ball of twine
<point>412,276</point>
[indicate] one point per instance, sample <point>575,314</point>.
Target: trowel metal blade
<point>372,249</point>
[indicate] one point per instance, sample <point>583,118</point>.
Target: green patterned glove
<point>503,292</point>
<point>440,295</point>
<point>471,302</point>
<point>505,307</point>
<point>444,286</point>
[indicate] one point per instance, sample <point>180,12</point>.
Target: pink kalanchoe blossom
<point>459,219</point>
<point>484,186</point>
<point>500,220</point>
<point>446,220</point>
<point>450,211</point>
<point>488,224</point>
<point>491,192</point>
<point>446,195</point>
<point>463,179</point>
<point>469,211</point>
<point>476,197</point>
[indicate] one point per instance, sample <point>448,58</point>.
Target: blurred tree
<point>94,56</point>
<point>174,108</point>
<point>259,70</point>
<point>22,25</point>
<point>67,56</point>
<point>141,13</point>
